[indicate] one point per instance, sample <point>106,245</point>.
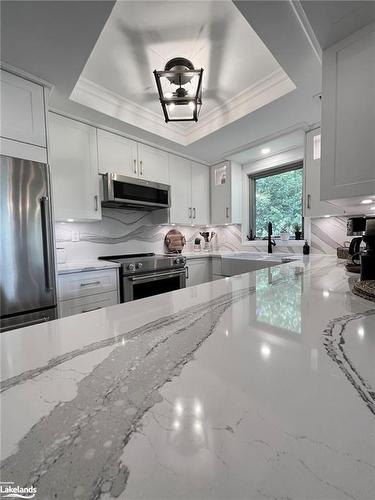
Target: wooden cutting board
<point>174,241</point>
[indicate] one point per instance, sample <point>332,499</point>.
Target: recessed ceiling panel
<point>240,73</point>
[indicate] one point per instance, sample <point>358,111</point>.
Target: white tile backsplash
<point>122,231</point>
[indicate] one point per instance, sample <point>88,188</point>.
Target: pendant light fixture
<point>180,90</point>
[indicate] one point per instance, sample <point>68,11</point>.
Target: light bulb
<point>265,151</point>
<point>366,202</point>
<point>265,351</point>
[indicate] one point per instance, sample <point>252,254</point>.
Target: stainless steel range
<point>146,274</point>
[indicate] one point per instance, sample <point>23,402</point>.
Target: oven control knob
<point>178,261</point>
<point>131,267</point>
<point>139,265</point>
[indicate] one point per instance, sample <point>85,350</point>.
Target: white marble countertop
<point>257,386</point>
<point>86,265</point>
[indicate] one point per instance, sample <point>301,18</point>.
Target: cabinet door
<point>200,193</point>
<point>198,271</point>
<point>180,178</point>
<point>22,110</point>
<point>74,169</point>
<point>348,117</point>
<point>117,154</point>
<point>153,164</point>
<point>313,206</point>
<point>220,194</point>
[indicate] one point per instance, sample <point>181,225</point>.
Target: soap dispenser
<point>306,248</point>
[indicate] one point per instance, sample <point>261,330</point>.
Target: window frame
<point>297,165</point>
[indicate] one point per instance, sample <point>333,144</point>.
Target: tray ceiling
<point>240,73</point>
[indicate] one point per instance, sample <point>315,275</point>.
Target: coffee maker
<point>368,255</point>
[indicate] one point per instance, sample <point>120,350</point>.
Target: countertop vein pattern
<point>258,386</point>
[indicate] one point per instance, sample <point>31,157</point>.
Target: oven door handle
<point>147,277</point>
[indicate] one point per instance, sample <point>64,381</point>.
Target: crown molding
<point>264,91</point>
<point>95,96</point>
<point>257,95</point>
<point>306,26</point>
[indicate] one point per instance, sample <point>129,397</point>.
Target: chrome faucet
<point>271,241</point>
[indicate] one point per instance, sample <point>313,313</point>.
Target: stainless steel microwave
<point>120,191</point>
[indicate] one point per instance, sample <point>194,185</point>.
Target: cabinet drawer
<point>216,265</point>
<point>87,283</point>
<point>87,304</point>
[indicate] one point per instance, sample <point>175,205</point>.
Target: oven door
<point>146,285</point>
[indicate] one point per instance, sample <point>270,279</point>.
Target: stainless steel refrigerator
<point>28,289</point>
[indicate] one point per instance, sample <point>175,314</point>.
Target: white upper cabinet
<point>348,117</point>
<point>190,191</point>
<point>313,206</point>
<point>123,156</point>
<point>117,154</point>
<point>153,164</point>
<point>22,110</point>
<point>226,193</point>
<point>74,169</point>
<point>200,193</point>
<point>181,211</point>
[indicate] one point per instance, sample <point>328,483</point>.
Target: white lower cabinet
<point>87,304</point>
<point>199,271</point>
<point>87,291</point>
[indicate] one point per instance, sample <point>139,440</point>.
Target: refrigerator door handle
<point>46,246</point>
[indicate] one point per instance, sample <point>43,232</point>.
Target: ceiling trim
<point>306,26</point>
<point>95,96</point>
<point>262,92</point>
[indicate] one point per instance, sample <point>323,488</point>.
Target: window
<point>277,198</point>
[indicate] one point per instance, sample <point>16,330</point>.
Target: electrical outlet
<point>75,235</point>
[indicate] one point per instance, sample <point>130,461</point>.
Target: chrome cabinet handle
<point>194,213</point>
<point>45,241</point>
<point>227,212</point>
<point>189,211</point>
<point>141,165</point>
<point>135,166</point>
<point>93,309</point>
<point>96,202</point>
<point>187,272</point>
<point>91,283</point>
<point>309,201</point>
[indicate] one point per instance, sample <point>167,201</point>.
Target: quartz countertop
<point>86,265</point>
<point>257,386</point>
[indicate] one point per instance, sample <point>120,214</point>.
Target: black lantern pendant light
<point>180,90</point>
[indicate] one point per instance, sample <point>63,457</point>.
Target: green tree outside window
<point>278,199</point>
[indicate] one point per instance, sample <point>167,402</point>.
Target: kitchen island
<point>251,387</point>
